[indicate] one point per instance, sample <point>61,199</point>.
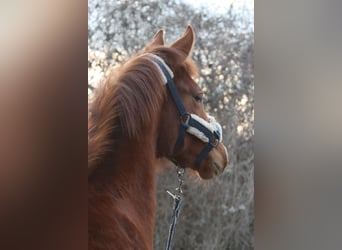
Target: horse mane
<point>128,100</point>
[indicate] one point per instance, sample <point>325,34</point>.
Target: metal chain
<point>177,198</point>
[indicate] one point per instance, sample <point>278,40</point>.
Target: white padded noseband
<point>212,125</point>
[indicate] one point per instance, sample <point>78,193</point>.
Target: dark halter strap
<point>186,120</point>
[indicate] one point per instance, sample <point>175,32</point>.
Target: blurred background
<point>43,147</point>
<point>216,214</point>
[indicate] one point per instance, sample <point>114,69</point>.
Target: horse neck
<point>123,193</point>
<point>133,164</point>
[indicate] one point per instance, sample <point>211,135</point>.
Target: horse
<point>148,109</point>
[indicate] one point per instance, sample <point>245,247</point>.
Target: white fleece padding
<point>198,134</point>
<point>212,125</point>
<point>160,70</point>
<point>217,126</point>
<point>206,124</point>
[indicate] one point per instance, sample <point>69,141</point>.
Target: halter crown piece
<point>209,132</point>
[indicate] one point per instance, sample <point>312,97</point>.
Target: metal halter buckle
<point>213,140</point>
<point>185,119</point>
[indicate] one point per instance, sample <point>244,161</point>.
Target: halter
<point>208,132</point>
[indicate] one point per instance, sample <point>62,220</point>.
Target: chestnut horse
<point>137,116</point>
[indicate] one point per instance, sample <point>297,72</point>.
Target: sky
<point>243,7</point>
<point>217,5</point>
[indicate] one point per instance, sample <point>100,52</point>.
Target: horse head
<point>187,134</point>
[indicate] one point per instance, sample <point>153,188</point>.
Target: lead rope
<point>177,198</point>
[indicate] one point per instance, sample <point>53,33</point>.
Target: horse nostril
<point>217,168</point>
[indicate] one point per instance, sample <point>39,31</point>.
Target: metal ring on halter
<point>214,141</point>
<point>180,175</point>
<point>187,117</point>
<point>180,172</point>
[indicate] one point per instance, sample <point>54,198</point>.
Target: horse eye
<point>198,98</point>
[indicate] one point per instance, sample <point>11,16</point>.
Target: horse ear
<point>186,41</point>
<point>157,40</point>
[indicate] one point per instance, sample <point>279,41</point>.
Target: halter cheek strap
<point>208,132</point>
<point>167,75</point>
